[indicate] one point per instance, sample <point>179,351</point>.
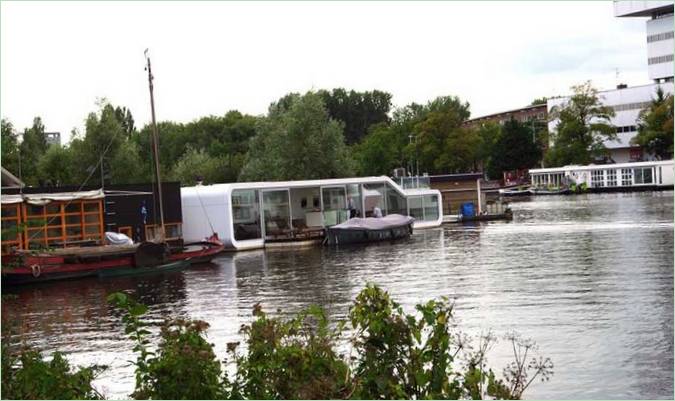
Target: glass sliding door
<point>354,204</point>
<point>430,207</point>
<point>396,203</point>
<point>416,209</point>
<point>374,196</point>
<point>334,205</point>
<point>246,214</point>
<point>276,213</point>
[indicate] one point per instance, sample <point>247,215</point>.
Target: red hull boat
<point>26,267</point>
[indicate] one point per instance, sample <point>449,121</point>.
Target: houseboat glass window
<point>53,208</point>
<point>11,235</point>
<point>91,207</point>
<point>643,175</point>
<point>430,207</point>
<point>373,195</point>
<point>597,178</point>
<point>611,178</point>
<point>396,203</point>
<point>276,213</point>
<point>334,206</point>
<point>33,210</point>
<point>246,214</point>
<point>354,193</point>
<point>75,207</point>
<point>416,209</point>
<point>626,177</point>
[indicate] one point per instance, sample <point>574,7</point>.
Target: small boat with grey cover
<point>370,229</point>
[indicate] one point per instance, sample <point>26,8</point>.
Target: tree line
<point>326,134</point>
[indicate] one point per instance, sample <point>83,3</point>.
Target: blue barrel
<point>467,209</point>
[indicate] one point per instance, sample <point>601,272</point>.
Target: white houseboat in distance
<point>247,215</point>
<point>608,177</point>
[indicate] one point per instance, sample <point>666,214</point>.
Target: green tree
<point>55,167</point>
<point>513,149</point>
<point>655,127</point>
<point>296,141</point>
<point>10,148</point>
<point>105,147</point>
<point>583,126</point>
<point>197,165</point>
<point>357,110</point>
<point>488,133</point>
<point>539,100</point>
<point>441,144</point>
<point>376,154</point>
<point>33,146</point>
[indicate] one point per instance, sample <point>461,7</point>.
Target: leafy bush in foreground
<point>393,355</point>
<point>398,355</point>
<point>28,376</point>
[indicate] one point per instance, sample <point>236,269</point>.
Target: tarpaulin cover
<point>374,223</point>
<point>43,199</point>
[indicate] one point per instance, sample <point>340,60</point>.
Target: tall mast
<point>155,151</point>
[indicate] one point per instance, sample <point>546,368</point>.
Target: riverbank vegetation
<point>390,354</point>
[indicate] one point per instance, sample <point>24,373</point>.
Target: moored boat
<point>25,267</point>
<point>370,229</point>
<point>134,271</point>
<point>517,191</point>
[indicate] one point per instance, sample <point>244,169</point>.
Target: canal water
<point>588,277</point>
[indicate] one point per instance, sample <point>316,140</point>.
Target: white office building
<point>660,42</point>
<point>627,102</point>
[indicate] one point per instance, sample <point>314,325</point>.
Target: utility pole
<point>155,150</point>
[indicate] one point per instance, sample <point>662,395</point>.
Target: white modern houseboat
<point>247,215</point>
<point>640,175</point>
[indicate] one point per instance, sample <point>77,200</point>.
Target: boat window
<point>276,213</point>
<point>396,203</point>
<point>626,177</point>
<point>643,175</point>
<point>416,209</point>
<point>597,178</point>
<point>430,207</point>
<point>611,178</point>
<point>11,234</point>
<point>374,196</point>
<point>334,206</point>
<point>354,194</point>
<point>246,214</point>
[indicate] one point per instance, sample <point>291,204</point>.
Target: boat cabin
<point>247,215</point>
<point>607,177</point>
<point>59,217</point>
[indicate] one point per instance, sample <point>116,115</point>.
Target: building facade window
<point>659,36</point>
<point>660,59</point>
<point>630,106</point>
<point>626,128</point>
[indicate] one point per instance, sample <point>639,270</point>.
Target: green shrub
<point>293,359</point>
<point>28,376</point>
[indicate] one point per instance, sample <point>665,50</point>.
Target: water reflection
<point>589,277</point>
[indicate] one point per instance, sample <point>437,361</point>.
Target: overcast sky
<point>58,58</point>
